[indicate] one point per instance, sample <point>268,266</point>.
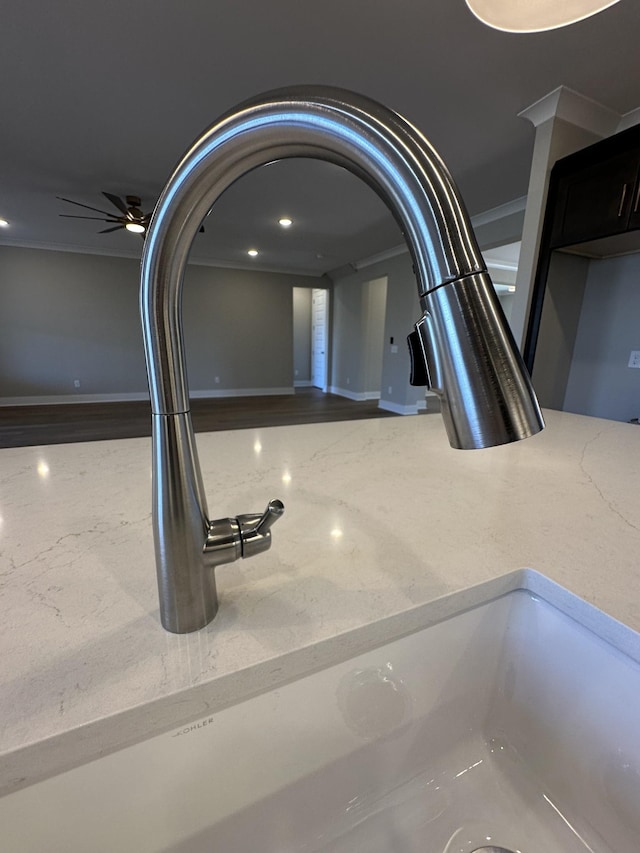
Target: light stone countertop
<point>382,518</point>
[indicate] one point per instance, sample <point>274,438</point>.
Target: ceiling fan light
<point>532,16</point>
<point>135,227</point>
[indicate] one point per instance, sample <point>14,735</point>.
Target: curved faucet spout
<point>467,350</point>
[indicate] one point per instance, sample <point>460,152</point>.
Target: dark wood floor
<point>22,426</point>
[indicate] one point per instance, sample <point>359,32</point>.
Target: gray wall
<point>66,317</point>
<point>600,382</point>
<point>375,308</point>
<point>302,335</point>
<point>348,335</point>
<point>359,308</point>
<point>402,311</point>
<point>239,327</point>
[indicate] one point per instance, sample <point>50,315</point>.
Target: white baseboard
<point>132,396</point>
<point>356,396</point>
<point>419,406</point>
<point>398,409</point>
<point>303,383</point>
<point>53,399</point>
<point>360,396</point>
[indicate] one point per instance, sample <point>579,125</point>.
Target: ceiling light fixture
<point>252,252</point>
<point>135,228</point>
<point>534,16</point>
<point>285,222</point>
<point>4,223</point>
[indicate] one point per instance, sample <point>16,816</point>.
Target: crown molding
<point>71,248</point>
<point>509,208</point>
<point>572,107</point>
<point>629,119</point>
<point>118,253</point>
<point>394,252</point>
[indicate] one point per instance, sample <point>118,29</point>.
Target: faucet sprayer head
<point>463,350</point>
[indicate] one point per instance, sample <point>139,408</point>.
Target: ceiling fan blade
<point>109,230</point>
<point>97,210</point>
<point>96,218</point>
<point>117,201</point>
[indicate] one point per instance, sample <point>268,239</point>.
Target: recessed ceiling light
<point>285,222</point>
<point>252,252</point>
<point>4,223</point>
<point>535,16</point>
<point>135,228</point>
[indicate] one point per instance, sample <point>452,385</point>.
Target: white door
<point>319,338</point>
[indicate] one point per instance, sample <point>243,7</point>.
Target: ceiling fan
<point>130,216</point>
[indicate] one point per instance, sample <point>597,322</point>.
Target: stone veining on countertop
<point>592,481</point>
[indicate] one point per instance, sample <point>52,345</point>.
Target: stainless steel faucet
<point>461,346</point>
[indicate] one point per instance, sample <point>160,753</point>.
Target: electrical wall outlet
<point>216,379</point>
<point>76,383</point>
<point>634,358</point>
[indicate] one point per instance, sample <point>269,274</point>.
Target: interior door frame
<point>325,353</point>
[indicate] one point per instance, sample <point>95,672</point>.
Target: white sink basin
<point>507,725</point>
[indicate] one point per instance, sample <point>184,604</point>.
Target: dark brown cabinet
<point>597,201</point>
<point>593,209</point>
<point>634,216</point>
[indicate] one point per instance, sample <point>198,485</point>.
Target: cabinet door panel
<point>596,201</point>
<point>634,218</point>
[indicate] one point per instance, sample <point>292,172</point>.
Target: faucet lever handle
<point>255,534</point>
<point>229,539</point>
<point>272,513</point>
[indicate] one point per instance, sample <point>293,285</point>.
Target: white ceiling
<point>107,96</point>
